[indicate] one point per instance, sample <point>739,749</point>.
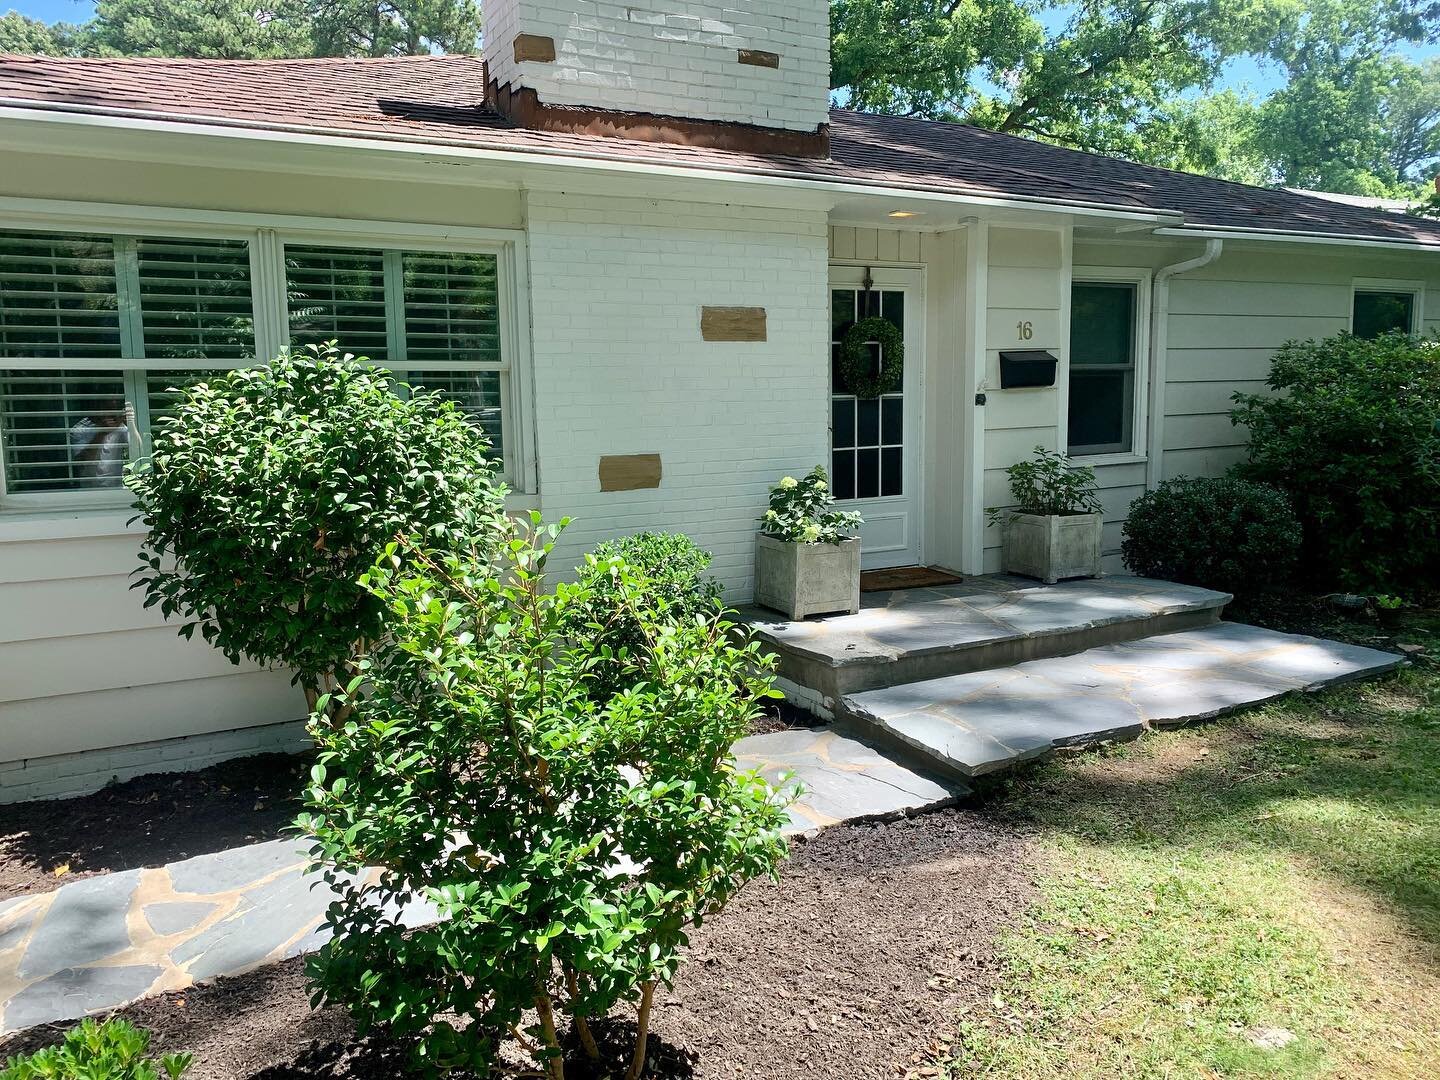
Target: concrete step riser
<point>836,682</point>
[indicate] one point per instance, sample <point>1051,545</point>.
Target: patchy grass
<point>1255,897</point>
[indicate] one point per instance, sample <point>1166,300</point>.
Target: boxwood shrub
<point>1218,532</point>
<point>1351,432</point>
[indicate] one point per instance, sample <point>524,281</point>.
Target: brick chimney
<point>749,75</point>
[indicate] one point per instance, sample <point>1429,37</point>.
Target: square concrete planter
<point>1053,547</point>
<point>807,579</point>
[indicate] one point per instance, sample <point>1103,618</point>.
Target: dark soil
<point>781,716</point>
<point>876,935</point>
<point>148,821</point>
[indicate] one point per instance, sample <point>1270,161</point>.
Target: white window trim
<point>1140,277</point>
<point>1389,285</point>
<point>266,234</point>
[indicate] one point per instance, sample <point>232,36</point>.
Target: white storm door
<point>875,442</point>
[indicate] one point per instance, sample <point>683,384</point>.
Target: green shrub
<point>568,843</point>
<point>671,569</point>
<point>1352,438</point>
<point>271,490</point>
<point>1048,483</point>
<point>113,1050</point>
<point>1220,533</point>
<point>803,511</point>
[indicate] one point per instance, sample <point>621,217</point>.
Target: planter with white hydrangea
<point>807,557</point>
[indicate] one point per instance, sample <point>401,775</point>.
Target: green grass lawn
<point>1259,896</point>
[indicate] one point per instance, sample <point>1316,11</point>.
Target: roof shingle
<point>440,99</point>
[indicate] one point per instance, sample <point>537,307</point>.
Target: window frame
<point>1140,279</point>
<point>1415,289</point>
<point>266,235</point>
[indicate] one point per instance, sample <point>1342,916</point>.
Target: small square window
<point>1377,312</point>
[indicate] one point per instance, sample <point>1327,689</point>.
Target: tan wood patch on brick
<point>759,58</point>
<point>534,47</point>
<point>732,323</point>
<point>629,472</point>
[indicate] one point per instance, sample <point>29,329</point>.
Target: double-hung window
<point>90,324</point>
<point>98,330</point>
<point>1107,379</point>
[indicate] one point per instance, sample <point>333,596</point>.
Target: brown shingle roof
<point>440,99</point>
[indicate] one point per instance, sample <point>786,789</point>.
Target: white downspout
<point>1159,338</point>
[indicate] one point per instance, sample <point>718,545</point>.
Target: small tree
<point>567,841</point>
<point>1352,436</point>
<point>269,491</point>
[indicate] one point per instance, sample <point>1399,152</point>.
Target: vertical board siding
<point>1026,284</point>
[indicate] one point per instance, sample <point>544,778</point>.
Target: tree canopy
<point>1352,110</point>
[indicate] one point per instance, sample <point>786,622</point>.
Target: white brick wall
<point>620,368</point>
<point>63,775</point>
<point>671,58</point>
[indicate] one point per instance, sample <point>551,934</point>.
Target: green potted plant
<point>1052,530</point>
<point>807,557</point>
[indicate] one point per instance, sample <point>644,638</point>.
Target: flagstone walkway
<point>102,942</point>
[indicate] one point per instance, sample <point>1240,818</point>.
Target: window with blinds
<point>69,300</point>
<point>338,294</point>
<point>452,308</point>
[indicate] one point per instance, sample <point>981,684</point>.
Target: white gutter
<point>64,113</point>
<point>1159,339</point>
<point>1270,236</point>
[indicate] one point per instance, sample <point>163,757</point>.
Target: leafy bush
<point>274,488</point>
<point>1353,437</point>
<point>802,511</point>
<point>568,843</point>
<point>1049,484</point>
<point>113,1050</point>
<point>1220,533</point>
<point>671,569</point>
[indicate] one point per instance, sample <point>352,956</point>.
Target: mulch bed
<point>873,940</point>
<point>149,821</point>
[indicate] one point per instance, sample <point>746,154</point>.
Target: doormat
<point>906,577</point>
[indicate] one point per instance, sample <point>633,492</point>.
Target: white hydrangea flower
<point>811,533</point>
<point>788,482</point>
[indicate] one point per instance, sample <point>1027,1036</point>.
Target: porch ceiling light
<point>904,213</point>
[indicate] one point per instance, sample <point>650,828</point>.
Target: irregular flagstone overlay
<point>102,942</point>
<point>987,720</point>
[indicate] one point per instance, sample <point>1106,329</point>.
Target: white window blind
<point>338,294</point>
<point>195,300</point>
<point>452,308</point>
<point>58,296</point>
<point>62,430</point>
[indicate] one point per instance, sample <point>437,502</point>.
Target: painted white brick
<point>620,368</point>
<point>66,775</point>
<point>649,56</point>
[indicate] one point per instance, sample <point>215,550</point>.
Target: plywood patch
<point>759,58</point>
<point>629,472</point>
<point>732,323</point>
<point>533,47</point>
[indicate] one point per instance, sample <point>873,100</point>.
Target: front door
<point>875,441</point>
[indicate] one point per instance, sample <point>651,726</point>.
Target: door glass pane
<point>1102,324</point>
<point>1379,313</point>
<point>867,435</point>
<point>63,430</point>
<point>1099,412</point>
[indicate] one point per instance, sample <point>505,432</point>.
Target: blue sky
<point>1259,78</point>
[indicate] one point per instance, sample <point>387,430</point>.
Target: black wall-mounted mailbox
<point>1027,367</point>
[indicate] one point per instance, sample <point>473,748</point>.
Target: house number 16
<point>1025,330</point>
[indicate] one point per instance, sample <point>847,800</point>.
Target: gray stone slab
<point>176,916</point>
<point>76,992</point>
<point>84,924</point>
<point>237,868</point>
<point>269,917</point>
<point>983,721</point>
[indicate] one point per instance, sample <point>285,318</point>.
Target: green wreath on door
<point>857,371</point>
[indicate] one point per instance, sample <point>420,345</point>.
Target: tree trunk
<point>555,1063</point>
<point>642,1034</point>
<point>582,1026</point>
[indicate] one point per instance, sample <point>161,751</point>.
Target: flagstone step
<point>911,635</point>
<point>977,723</point>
